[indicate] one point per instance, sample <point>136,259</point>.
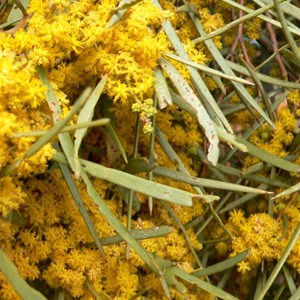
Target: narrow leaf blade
<point>203,118</point>
<point>223,265</point>
<point>87,112</point>
<point>22,287</point>
<point>138,184</point>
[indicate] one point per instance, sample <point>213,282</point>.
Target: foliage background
<point>130,170</point>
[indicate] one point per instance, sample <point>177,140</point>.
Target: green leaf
<point>296,295</point>
<point>240,201</point>
<point>126,4</point>
<point>105,106</point>
<point>290,57</point>
<point>79,203</point>
<point>114,137</point>
<point>119,12</point>
<point>279,292</point>
<point>204,285</point>
<point>188,7</point>
<point>59,125</point>
<point>269,158</point>
<point>50,95</point>
<point>263,77</point>
<point>290,9</point>
<point>293,189</point>
<point>286,31</point>
<point>251,13</point>
<point>18,11</point>
<point>289,279</point>
<point>138,184</point>
<point>95,123</point>
<point>218,82</point>
<point>9,24</point>
<point>207,69</point>
<point>118,226</point>
<point>85,115</point>
<point>203,182</point>
<point>139,165</point>
<point>10,271</point>
<point>139,234</point>
<point>161,88</point>
<point>229,138</point>
<point>260,87</point>
<point>204,93</point>
<point>255,126</point>
<point>14,217</point>
<point>259,178</point>
<point>189,97</point>
<point>43,140</point>
<point>223,265</point>
<point>126,194</point>
<point>87,112</point>
<point>244,95</point>
<point>53,103</point>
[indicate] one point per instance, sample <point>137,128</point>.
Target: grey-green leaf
<point>293,189</point>
<point>85,115</point>
<point>10,271</point>
<point>119,12</point>
<point>161,88</point>
<point>138,184</point>
<point>204,285</point>
<point>207,69</point>
<point>269,158</point>
<point>203,182</point>
<point>190,97</point>
<point>87,112</point>
<point>223,265</point>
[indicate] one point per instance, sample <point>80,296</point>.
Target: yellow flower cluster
<point>253,27</point>
<point>146,111</point>
<point>57,246</point>
<point>288,209</point>
<point>294,99</point>
<point>259,234</point>
<point>11,195</point>
<point>265,237</point>
<point>22,107</point>
<point>73,42</point>
<point>41,228</point>
<point>276,140</point>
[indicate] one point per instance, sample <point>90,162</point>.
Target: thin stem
<point>274,45</point>
<point>70,128</point>
<point>152,158</point>
<point>130,200</point>
<point>186,236</point>
<point>238,38</point>
<point>287,32</point>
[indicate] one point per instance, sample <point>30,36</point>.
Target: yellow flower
<point>11,196</point>
<point>237,217</point>
<point>7,291</point>
<point>294,97</point>
<point>260,234</point>
<point>243,267</point>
